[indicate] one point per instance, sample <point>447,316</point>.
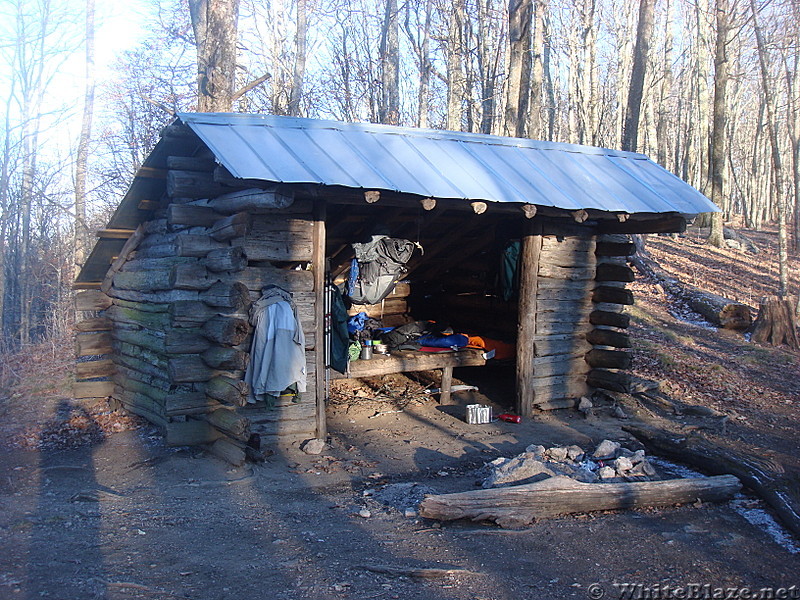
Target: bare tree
<point>389,97</point>
<point>777,168</point>
<point>518,85</point>
<point>299,70</point>
<point>718,133</point>
<point>641,53</point>
<point>82,154</point>
<point>215,25</point>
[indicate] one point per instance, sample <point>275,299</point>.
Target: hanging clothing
<point>277,354</point>
<point>340,340</point>
<point>509,270</point>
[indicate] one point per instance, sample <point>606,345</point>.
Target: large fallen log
<point>520,505</point>
<point>759,472</point>
<point>720,311</point>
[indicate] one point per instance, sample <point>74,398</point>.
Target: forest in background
<point>709,89</point>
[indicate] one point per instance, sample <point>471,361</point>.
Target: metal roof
<point>442,164</point>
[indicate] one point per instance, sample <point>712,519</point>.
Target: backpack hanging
<point>377,267</point>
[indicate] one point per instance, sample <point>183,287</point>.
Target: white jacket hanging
<point>277,354</point>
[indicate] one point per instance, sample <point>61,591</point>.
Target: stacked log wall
<point>179,312</point>
<point>566,275</point>
<point>609,357</point>
<point>93,367</point>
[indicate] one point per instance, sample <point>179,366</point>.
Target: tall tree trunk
<point>549,86</point>
<point>82,154</point>
<point>425,69</point>
<point>702,99</point>
<point>519,67</point>
<point>299,70</point>
<point>389,103</point>
<point>215,26</point>
<point>537,70</point>
<point>665,106</point>
<point>588,78</point>
<point>791,76</point>
<point>783,258</point>
<point>456,87</point>
<point>718,150</point>
<point>644,32</point>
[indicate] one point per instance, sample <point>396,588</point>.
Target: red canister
<point>509,418</point>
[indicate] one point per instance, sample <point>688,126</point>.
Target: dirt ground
<point>94,506</point>
<point>129,518</point>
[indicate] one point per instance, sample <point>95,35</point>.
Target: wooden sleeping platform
<point>406,361</point>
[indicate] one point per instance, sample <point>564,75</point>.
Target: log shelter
<point>227,204</point>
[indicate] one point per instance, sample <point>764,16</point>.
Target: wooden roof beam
<point>114,234</point>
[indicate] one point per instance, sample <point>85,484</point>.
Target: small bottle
<point>366,350</point>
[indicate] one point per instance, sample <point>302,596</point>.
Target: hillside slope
<point>757,387</point>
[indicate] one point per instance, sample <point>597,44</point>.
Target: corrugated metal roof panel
<point>442,164</point>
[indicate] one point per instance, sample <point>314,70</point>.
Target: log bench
<point>406,361</point>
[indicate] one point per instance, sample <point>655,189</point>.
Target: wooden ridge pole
<point>526,323</point>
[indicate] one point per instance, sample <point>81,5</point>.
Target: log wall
<point>93,368</point>
<point>609,357</point>
<point>566,274</point>
<point>177,314</point>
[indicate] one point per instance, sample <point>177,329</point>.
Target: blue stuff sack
<point>455,340</point>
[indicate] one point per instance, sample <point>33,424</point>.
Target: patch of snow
<point>763,520</point>
<point>694,319</point>
<point>674,469</point>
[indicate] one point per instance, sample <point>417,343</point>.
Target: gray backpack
<point>378,266</point>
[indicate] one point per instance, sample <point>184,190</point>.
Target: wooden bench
<point>406,361</point>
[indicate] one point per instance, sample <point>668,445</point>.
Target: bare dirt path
<point>129,518</point>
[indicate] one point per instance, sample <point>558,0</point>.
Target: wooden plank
<point>90,344</point>
<point>114,234</point>
<point>528,311</point>
<point>130,245</point>
<point>256,278</point>
<point>92,300</point>
<point>148,205</point>
<point>94,368</point>
<point>318,264</point>
<point>280,238</point>
<point>92,389</point>
<point>151,173</point>
<point>396,306</point>
<point>569,273</point>
<point>95,324</point>
<point>409,361</point>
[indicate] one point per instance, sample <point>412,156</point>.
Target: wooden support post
<point>526,324</point>
<point>447,383</point>
<point>318,266</point>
